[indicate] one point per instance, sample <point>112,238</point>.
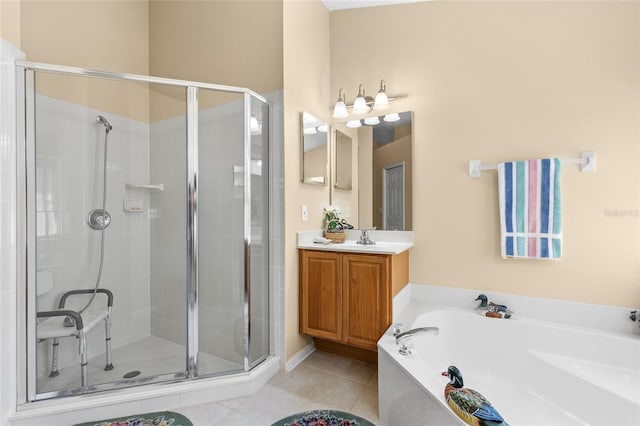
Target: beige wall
<point>220,42</point>
<point>236,43</point>
<point>104,35</point>
<point>306,88</point>
<point>10,21</point>
<point>503,81</point>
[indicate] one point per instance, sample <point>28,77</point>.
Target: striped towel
<point>530,219</point>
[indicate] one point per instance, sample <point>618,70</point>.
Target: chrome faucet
<point>406,334</point>
<point>364,238</point>
<point>402,338</point>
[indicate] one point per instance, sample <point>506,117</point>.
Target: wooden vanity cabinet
<point>347,297</point>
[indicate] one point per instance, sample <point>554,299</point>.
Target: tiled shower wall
<point>69,184</point>
<point>8,242</point>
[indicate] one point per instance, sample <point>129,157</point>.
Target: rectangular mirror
<point>343,161</point>
<point>383,177</point>
<point>314,150</point>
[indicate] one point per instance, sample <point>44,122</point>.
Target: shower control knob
<point>98,219</point>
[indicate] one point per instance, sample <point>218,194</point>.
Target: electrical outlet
<point>305,213</point>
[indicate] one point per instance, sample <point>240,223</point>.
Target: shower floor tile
<point>150,355</point>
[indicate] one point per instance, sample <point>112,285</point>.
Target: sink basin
<point>353,246</point>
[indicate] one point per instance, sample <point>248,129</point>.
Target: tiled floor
<point>323,380</point>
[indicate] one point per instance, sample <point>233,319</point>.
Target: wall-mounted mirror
<point>314,150</point>
<point>343,162</point>
<point>383,161</point>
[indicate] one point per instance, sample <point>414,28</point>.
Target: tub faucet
<point>364,239</point>
<point>402,339</point>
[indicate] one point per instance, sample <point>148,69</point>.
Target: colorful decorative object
<point>468,404</point>
<point>162,418</point>
<point>323,418</point>
<point>334,226</point>
<point>491,309</point>
<point>483,306</point>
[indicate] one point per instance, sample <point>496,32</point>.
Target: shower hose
<point>68,321</point>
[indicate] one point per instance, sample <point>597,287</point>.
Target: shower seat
<point>50,325</point>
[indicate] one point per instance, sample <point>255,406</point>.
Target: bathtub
<point>533,372</point>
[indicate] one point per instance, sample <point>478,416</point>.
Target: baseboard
<point>295,360</point>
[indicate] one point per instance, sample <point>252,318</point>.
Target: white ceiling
<point>352,4</point>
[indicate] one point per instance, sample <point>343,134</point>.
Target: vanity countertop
<point>399,245</point>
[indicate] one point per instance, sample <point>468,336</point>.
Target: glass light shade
<point>323,128</point>
<point>340,110</point>
<point>392,117</point>
<point>309,131</point>
<point>354,124</point>
<point>381,102</point>
<point>360,106</point>
<point>371,121</point>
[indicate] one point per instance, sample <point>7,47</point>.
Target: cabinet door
<point>321,294</point>
<point>366,296</point>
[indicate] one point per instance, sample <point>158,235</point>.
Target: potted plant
<point>334,226</point>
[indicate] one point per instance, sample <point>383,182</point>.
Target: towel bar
<point>587,162</point>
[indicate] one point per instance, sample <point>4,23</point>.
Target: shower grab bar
<point>587,162</point>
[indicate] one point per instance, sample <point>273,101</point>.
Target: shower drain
<point>131,374</point>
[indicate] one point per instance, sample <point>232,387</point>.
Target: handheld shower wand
<point>100,119</point>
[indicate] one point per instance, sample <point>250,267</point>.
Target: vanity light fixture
<point>324,127</point>
<point>364,104</point>
<point>391,117</point>
<point>340,110</point>
<point>354,124</point>
<point>309,131</point>
<point>371,121</point>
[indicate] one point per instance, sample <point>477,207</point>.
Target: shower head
<point>100,119</point>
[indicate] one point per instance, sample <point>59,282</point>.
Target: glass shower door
<point>147,203</point>
<point>259,231</point>
<point>221,271</point>
<point>100,144</point>
<point>233,239</point>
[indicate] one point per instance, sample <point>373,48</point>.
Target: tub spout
<point>406,334</point>
<point>402,339</point>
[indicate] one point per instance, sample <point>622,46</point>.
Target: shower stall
<point>145,212</point>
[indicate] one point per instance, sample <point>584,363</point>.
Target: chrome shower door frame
<point>26,232</point>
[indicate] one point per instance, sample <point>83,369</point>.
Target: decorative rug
<point>161,418</point>
<point>323,418</point>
